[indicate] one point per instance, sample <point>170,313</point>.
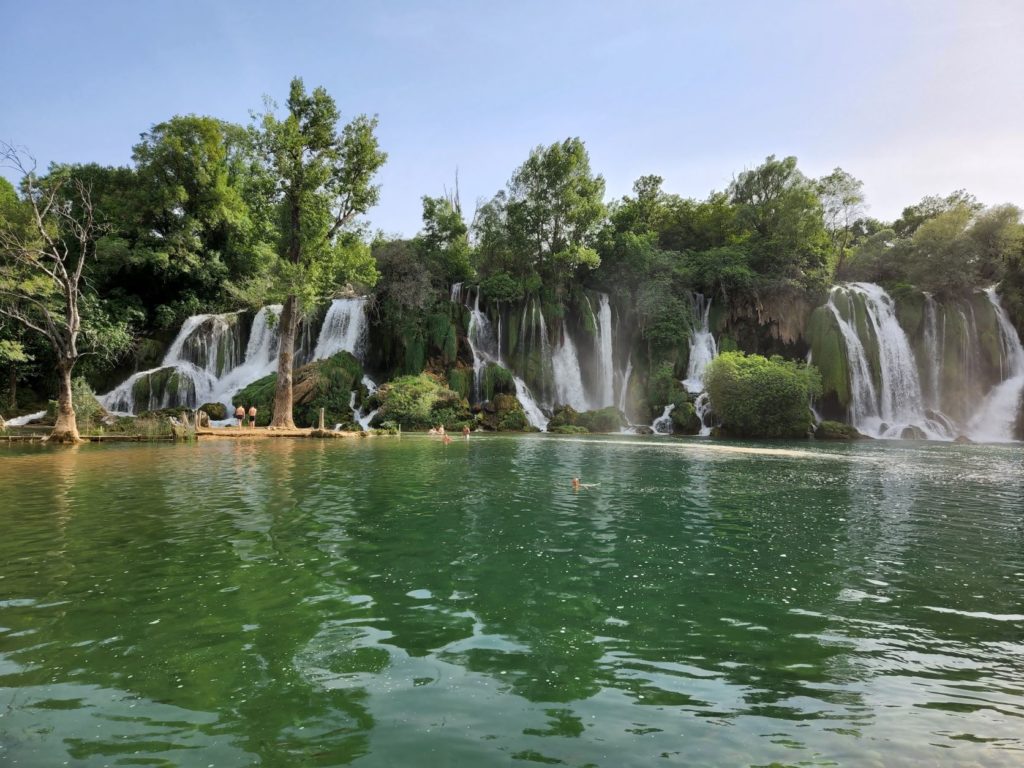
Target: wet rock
<point>913,433</point>
<point>216,411</point>
<point>963,440</point>
<point>837,430</point>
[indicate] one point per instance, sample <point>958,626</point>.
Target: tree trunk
<point>13,386</point>
<point>285,360</point>
<point>65,430</point>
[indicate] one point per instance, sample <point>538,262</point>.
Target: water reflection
<point>319,602</point>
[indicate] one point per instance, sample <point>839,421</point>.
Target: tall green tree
<point>546,222</point>
<point>323,181</point>
<point>46,239</point>
<point>782,210</point>
<point>842,203</point>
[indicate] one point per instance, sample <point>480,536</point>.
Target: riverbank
<point>39,435</point>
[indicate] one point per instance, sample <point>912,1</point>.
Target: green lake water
<point>398,602</point>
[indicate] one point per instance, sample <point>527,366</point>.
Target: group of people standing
<point>246,417</point>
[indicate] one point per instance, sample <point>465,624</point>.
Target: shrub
<point>420,402</point>
<point>755,396</point>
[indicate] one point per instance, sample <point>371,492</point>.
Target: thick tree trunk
<point>285,361</point>
<point>65,430</point>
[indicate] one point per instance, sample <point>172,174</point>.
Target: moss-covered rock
<point>504,414</point>
<point>604,420</point>
<point>836,430</point>
<point>419,403</point>
<point>568,429</point>
<point>326,384</point>
<point>216,411</point>
<point>564,416</point>
<point>497,380</point>
<point>685,420</point>
<point>828,350</point>
<point>461,380</point>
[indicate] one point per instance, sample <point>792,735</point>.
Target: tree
<point>45,243</point>
<point>842,203</point>
<point>444,243</point>
<point>914,216</point>
<point>323,181</point>
<point>780,207</point>
<point>547,220</point>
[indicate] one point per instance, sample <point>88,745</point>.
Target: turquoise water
<point>396,602</point>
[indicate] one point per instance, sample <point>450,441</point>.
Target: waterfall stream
<point>605,356</point>
<point>993,422</point>
<point>205,364</point>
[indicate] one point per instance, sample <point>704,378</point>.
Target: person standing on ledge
<point>240,415</point>
<point>252,415</point>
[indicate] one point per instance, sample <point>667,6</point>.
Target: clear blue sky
<point>912,97</point>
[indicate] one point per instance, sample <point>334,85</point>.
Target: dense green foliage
<point>212,216</point>
<point>754,396</point>
<point>323,384</point>
<point>419,403</point>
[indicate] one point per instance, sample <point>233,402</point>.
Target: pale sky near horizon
<point>913,98</point>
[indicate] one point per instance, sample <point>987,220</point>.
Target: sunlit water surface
<point>396,602</point>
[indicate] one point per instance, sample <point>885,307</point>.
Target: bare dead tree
<point>42,257</point>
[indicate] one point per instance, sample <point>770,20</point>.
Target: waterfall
<point>663,424</point>
<point>205,364</point>
<point>702,406</point>
<point>546,373</point>
<point>359,416</point>
<point>703,348</point>
<point>565,367</point>
<point>625,383</point>
<point>933,347</point>
<point>344,328</point>
<point>895,407</point>
<point>606,365</point>
<point>993,421</point>
<point>478,336</point>
<point>21,421</point>
<point>485,351</point>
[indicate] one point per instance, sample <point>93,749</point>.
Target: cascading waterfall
<point>933,345</point>
<point>703,350</point>
<point>895,408</point>
<point>204,365</point>
<point>344,328</point>
<point>565,366</point>
<point>626,376</point>
<point>484,351</point>
<point>605,356</point>
<point>663,424</point>
<point>993,422</point>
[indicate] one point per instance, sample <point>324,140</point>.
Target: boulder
<point>913,432</point>
<point>215,411</point>
<point>837,430</point>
